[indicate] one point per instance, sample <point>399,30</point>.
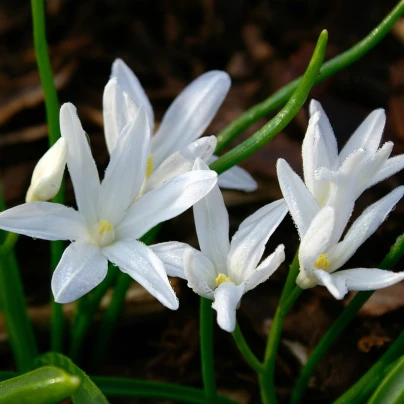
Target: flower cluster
<point>154,177</point>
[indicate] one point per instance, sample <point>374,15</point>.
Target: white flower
<point>320,229</point>
<point>224,271</point>
<point>108,222</point>
<point>48,173</point>
<point>337,179</point>
<point>175,145</point>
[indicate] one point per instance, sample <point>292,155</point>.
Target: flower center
<point>322,262</point>
<point>105,233</point>
<point>149,167</point>
<point>222,278</point>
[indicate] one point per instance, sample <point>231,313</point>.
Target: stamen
<point>104,226</point>
<point>322,262</point>
<point>222,278</point>
<point>104,233</point>
<point>149,167</point>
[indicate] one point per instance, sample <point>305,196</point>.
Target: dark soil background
<point>262,45</point>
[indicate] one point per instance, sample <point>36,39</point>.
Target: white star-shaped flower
<point>175,145</point>
<point>108,221</point>
<point>224,271</point>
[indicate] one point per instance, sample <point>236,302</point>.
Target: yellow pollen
<point>149,167</point>
<point>322,262</point>
<point>104,226</point>
<point>222,278</point>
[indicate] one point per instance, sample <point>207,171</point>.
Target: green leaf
<point>46,385</point>
<point>391,389</point>
<point>88,392</point>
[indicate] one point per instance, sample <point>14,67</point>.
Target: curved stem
<point>207,353</point>
<point>391,259</point>
<point>245,350</point>
<point>288,112</point>
<point>329,68</point>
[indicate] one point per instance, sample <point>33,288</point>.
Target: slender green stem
<point>391,259</point>
<point>52,117</point>
<point>12,303</point>
<point>366,385</point>
<point>245,350</point>
<point>86,314</point>
<point>288,112</point>
<point>329,68</point>
<point>115,387</point>
<point>207,353</point>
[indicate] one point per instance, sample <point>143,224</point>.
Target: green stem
<point>12,303</point>
<point>329,68</point>
<point>86,314</point>
<point>391,259</point>
<point>276,124</point>
<point>245,350</point>
<point>206,319</point>
<point>366,385</point>
<point>52,117</point>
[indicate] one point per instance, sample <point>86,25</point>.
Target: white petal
<point>80,162</point>
<point>336,286</point>
<point>48,173</point>
<point>301,203</point>
<point>131,84</point>
<point>363,228</point>
<point>367,136</point>
<point>237,178</point>
<point>81,268</point>
<point>126,170</point>
<point>172,255</point>
<point>165,202</point>
<point>227,298</point>
<point>45,220</point>
<point>248,244</point>
<point>318,238</point>
<point>200,273</point>
<point>181,161</point>
<point>265,269</point>
<point>212,226</point>
<point>190,113</point>
<point>389,168</point>
<point>118,110</point>
<point>141,264</point>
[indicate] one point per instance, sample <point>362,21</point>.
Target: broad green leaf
<point>45,385</point>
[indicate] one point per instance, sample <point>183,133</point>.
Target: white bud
<point>48,173</point>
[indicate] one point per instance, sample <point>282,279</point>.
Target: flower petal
<point>200,273</point>
<point>363,228</point>
<point>317,239</point>
<point>131,84</point>
<point>165,202</point>
<point>389,168</point>
<point>172,255</point>
<point>336,286</point>
<point>80,162</point>
<point>265,269</point>
<point>227,297</point>
<point>212,225</point>
<point>301,203</point>
<point>81,268</point>
<point>141,264</point>
<point>190,113</point>
<point>45,220</point>
<point>118,110</point>
<point>248,244</point>
<point>126,170</point>
<point>367,136</point>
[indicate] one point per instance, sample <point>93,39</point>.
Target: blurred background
<point>263,45</point>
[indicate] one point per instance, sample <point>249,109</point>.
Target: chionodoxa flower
<point>109,219</point>
<point>175,145</point>
<point>222,271</point>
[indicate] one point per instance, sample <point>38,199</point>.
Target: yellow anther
<point>322,262</point>
<point>222,278</point>
<point>104,226</point>
<point>149,167</point>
